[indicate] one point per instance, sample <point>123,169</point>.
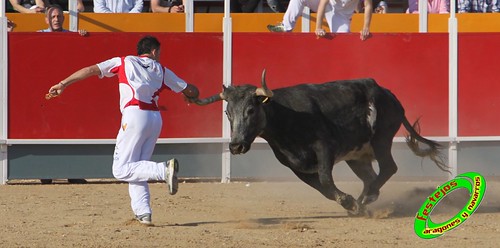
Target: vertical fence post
<point>453,91</point>
<point>422,16</point>
<point>189,12</point>
<point>73,16</point>
<point>306,20</point>
<point>226,68</point>
<point>3,94</point>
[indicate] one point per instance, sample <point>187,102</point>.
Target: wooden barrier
<point>414,66</point>
<point>90,109</point>
<point>253,22</point>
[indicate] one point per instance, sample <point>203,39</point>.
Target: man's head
<point>55,18</point>
<point>150,46</point>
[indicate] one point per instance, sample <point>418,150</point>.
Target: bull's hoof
<point>348,202</point>
<point>367,199</point>
<point>360,211</point>
<point>354,208</point>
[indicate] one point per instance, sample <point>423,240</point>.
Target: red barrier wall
<point>479,84</point>
<point>90,109</point>
<point>413,66</point>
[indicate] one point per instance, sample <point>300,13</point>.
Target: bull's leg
<point>382,150</point>
<point>330,191</point>
<point>364,170</point>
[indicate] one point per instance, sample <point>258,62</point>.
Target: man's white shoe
<point>171,176</point>
<point>144,219</point>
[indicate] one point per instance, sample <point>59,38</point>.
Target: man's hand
<point>177,9</point>
<point>320,33</point>
<point>55,91</point>
<point>37,9</point>
<point>191,93</point>
<point>10,25</point>
<point>82,32</point>
<point>365,34</point>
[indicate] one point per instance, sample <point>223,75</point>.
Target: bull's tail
<point>433,150</point>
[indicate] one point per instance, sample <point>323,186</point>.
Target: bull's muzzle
<point>238,147</point>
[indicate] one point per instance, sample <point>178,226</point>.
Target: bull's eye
<point>250,111</point>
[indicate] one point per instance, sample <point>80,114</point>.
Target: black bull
<point>310,127</point>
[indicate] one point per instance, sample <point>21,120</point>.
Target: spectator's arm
<point>412,6</point>
<point>137,7</point>
<point>21,9</point>
<point>444,6</point>
<point>79,6</point>
<point>319,18</point>
<point>100,7</point>
<point>495,6</point>
<point>365,32</point>
<point>157,8</point>
<point>42,3</point>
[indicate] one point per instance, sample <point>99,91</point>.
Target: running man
<point>338,14</point>
<point>141,121</point>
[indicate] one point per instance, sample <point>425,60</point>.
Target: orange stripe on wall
<point>253,22</point>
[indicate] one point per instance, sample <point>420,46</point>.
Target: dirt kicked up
<point>241,214</point>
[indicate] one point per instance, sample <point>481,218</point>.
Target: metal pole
<point>226,78</point>
<point>422,16</point>
<point>3,94</point>
<point>306,20</point>
<point>73,16</point>
<point>453,90</point>
<point>189,10</point>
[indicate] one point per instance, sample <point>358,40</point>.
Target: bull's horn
<point>264,91</point>
<point>208,100</point>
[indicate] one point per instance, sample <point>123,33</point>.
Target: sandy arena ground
<point>240,214</point>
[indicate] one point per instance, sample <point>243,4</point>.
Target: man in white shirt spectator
<point>118,6</point>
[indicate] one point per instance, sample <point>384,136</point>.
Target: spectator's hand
<point>320,32</point>
<point>380,10</point>
<point>365,34</point>
<point>10,25</point>
<point>37,9</point>
<point>82,32</point>
<point>177,9</point>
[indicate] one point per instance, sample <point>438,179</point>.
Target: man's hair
<point>147,44</point>
<point>49,9</point>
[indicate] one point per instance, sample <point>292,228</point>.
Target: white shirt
<point>345,7</point>
<point>118,6</point>
<point>141,79</point>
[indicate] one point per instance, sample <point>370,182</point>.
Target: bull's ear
<point>263,99</point>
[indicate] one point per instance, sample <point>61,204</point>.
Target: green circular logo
<point>473,182</point>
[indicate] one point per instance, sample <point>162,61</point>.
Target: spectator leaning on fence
<point>337,13</point>
<point>115,6</point>
<point>433,6</point>
<point>28,6</point>
<point>167,6</point>
<point>478,6</point>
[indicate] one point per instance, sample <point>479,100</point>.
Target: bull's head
<point>244,111</point>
